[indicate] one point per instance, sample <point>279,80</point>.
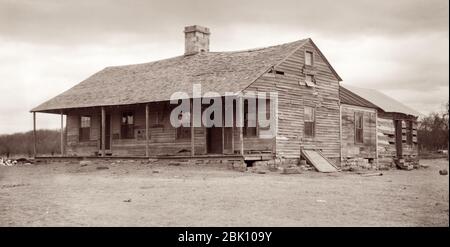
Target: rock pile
<point>12,162</point>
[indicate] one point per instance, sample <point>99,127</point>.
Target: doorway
<point>398,138</point>
<point>214,144</point>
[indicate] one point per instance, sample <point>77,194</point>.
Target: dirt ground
<point>136,194</point>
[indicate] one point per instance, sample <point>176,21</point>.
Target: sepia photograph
<point>224,113</point>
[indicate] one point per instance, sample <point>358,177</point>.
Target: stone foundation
<point>357,164</point>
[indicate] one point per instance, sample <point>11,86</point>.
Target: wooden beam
<point>146,130</point>
<point>34,135</point>
<point>376,137</point>
<point>340,133</point>
<point>241,140</point>
<point>241,129</point>
<point>223,138</point>
<point>274,110</point>
<point>103,132</point>
<point>62,134</point>
<point>192,129</point>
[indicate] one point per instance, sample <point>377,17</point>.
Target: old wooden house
<point>377,131</point>
<point>123,111</point>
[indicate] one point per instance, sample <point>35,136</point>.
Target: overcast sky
<point>48,46</point>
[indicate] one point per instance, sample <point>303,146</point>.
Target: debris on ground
<point>424,165</point>
<point>443,172</point>
<point>102,167</point>
<point>12,185</point>
<point>372,174</point>
<point>12,162</point>
<point>174,163</point>
<point>291,170</point>
<point>85,162</point>
<point>24,161</point>
<point>155,171</point>
<point>129,200</point>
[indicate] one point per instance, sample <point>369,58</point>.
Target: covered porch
<point>144,131</point>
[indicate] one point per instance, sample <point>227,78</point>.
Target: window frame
<point>307,52</point>
<point>84,132</point>
<point>127,127</point>
<point>311,122</point>
<point>359,138</point>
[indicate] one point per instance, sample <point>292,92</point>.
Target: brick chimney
<point>196,39</point>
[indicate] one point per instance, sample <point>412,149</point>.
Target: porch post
<point>103,132</point>
<point>376,137</point>
<point>241,120</point>
<point>146,130</point>
<point>192,128</point>
<point>62,133</point>
<point>34,135</point>
<point>274,104</point>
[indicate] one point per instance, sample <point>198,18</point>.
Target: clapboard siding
<point>162,135</point>
<point>351,149</point>
<point>293,95</point>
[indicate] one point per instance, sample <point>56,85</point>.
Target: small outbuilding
<point>377,131</point>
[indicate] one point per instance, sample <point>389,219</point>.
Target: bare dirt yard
<point>140,194</point>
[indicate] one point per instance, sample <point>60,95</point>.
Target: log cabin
<point>124,111</point>
<point>377,131</point>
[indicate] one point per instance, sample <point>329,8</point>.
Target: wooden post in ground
<point>34,135</point>
<point>240,107</point>
<point>103,132</point>
<point>146,130</point>
<point>192,128</point>
<point>62,134</point>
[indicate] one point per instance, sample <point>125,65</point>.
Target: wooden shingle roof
<point>156,81</point>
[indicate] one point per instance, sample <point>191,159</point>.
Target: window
<point>359,123</point>
<point>127,126</point>
<point>409,132</point>
<point>182,131</point>
<point>85,128</point>
<point>249,121</point>
<point>278,72</point>
<point>309,116</point>
<point>309,80</point>
<point>309,58</point>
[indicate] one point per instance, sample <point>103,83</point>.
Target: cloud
<point>93,21</point>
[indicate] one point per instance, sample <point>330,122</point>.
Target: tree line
<point>48,143</point>
<point>433,131</point>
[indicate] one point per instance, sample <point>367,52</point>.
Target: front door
<point>214,140</point>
